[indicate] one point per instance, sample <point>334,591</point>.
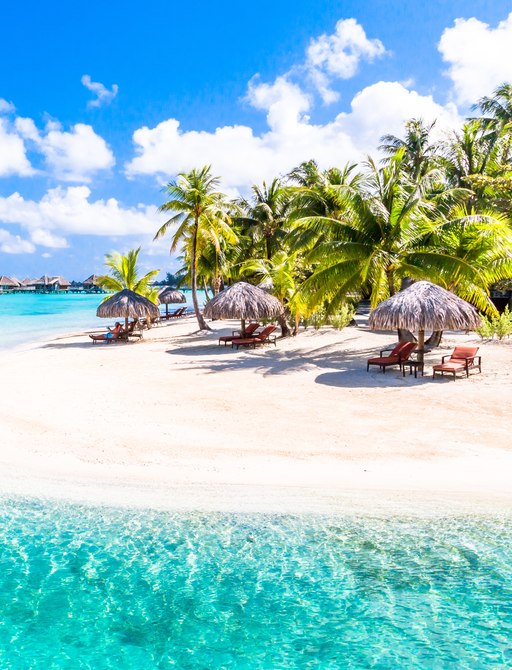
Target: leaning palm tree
<point>200,212</point>
<point>124,274</point>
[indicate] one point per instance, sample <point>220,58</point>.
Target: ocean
<point>26,317</point>
<point>86,587</point>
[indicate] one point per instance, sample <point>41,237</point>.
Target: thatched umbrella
<point>170,295</point>
<point>127,304</point>
<point>424,306</point>
<point>243,301</point>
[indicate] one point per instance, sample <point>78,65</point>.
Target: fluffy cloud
<point>6,107</point>
<point>479,57</point>
<point>13,244</point>
<point>70,211</point>
<point>242,158</point>
<point>102,93</point>
<point>337,56</point>
<point>44,238</point>
<point>13,157</point>
<point>71,156</point>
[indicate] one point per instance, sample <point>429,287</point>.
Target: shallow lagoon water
<point>32,317</point>
<point>84,587</point>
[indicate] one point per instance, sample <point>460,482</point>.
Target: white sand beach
<point>177,422</point>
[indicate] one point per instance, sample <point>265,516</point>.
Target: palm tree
<point>200,212</point>
<point>264,218</point>
<point>124,274</point>
<point>392,230</point>
<point>278,275</point>
<point>419,151</point>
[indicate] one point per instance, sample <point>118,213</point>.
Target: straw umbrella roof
<point>424,306</point>
<point>243,301</point>
<point>171,295</point>
<point>127,304</point>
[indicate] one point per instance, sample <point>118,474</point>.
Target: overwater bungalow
<point>8,284</point>
<point>91,284</point>
<point>46,284</point>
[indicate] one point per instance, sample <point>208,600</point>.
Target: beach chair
<point>462,359</point>
<point>113,335</point>
<point>130,332</point>
<point>265,337</point>
<point>177,313</point>
<point>250,331</point>
<point>397,356</point>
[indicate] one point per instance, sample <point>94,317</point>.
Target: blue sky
<point>102,103</point>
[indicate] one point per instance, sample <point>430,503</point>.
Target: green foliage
<point>486,330</point>
<point>499,326</point>
<point>317,319</point>
<point>343,317</point>
<point>125,274</point>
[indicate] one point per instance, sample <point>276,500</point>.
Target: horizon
<point>93,127</point>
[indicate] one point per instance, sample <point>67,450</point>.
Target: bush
<point>343,318</point>
<point>503,324</point>
<point>486,330</point>
<point>500,325</point>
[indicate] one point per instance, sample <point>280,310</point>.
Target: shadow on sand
<point>344,368</point>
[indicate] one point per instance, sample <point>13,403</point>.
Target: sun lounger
<point>113,335</point>
<point>177,313</point>
<point>398,355</point>
<point>462,359</point>
<point>265,337</point>
<point>250,331</point>
<point>126,334</point>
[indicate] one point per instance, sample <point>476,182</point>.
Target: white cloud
<point>14,244</point>
<point>479,57</point>
<point>102,93</point>
<point>66,211</point>
<point>337,56</point>
<point>243,158</point>
<point>6,107</point>
<point>13,157</point>
<point>44,238</point>
<point>71,156</point>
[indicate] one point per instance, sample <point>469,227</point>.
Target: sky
<point>103,103</point>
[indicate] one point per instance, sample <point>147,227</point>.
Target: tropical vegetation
<point>125,274</point>
<point>433,207</point>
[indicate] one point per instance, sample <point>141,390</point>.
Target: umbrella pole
<point>166,310</point>
<point>421,345</point>
<point>242,327</point>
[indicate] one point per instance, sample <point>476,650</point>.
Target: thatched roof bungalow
<point>91,284</point>
<point>9,283</point>
<point>48,284</point>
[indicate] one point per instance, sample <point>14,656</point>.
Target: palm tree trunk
<point>205,289</point>
<point>200,319</point>
<point>435,339</point>
<point>283,322</point>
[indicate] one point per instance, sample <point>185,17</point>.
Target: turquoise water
<point>99,588</point>
<point>28,317</point>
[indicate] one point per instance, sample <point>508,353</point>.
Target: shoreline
<point>177,423</point>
